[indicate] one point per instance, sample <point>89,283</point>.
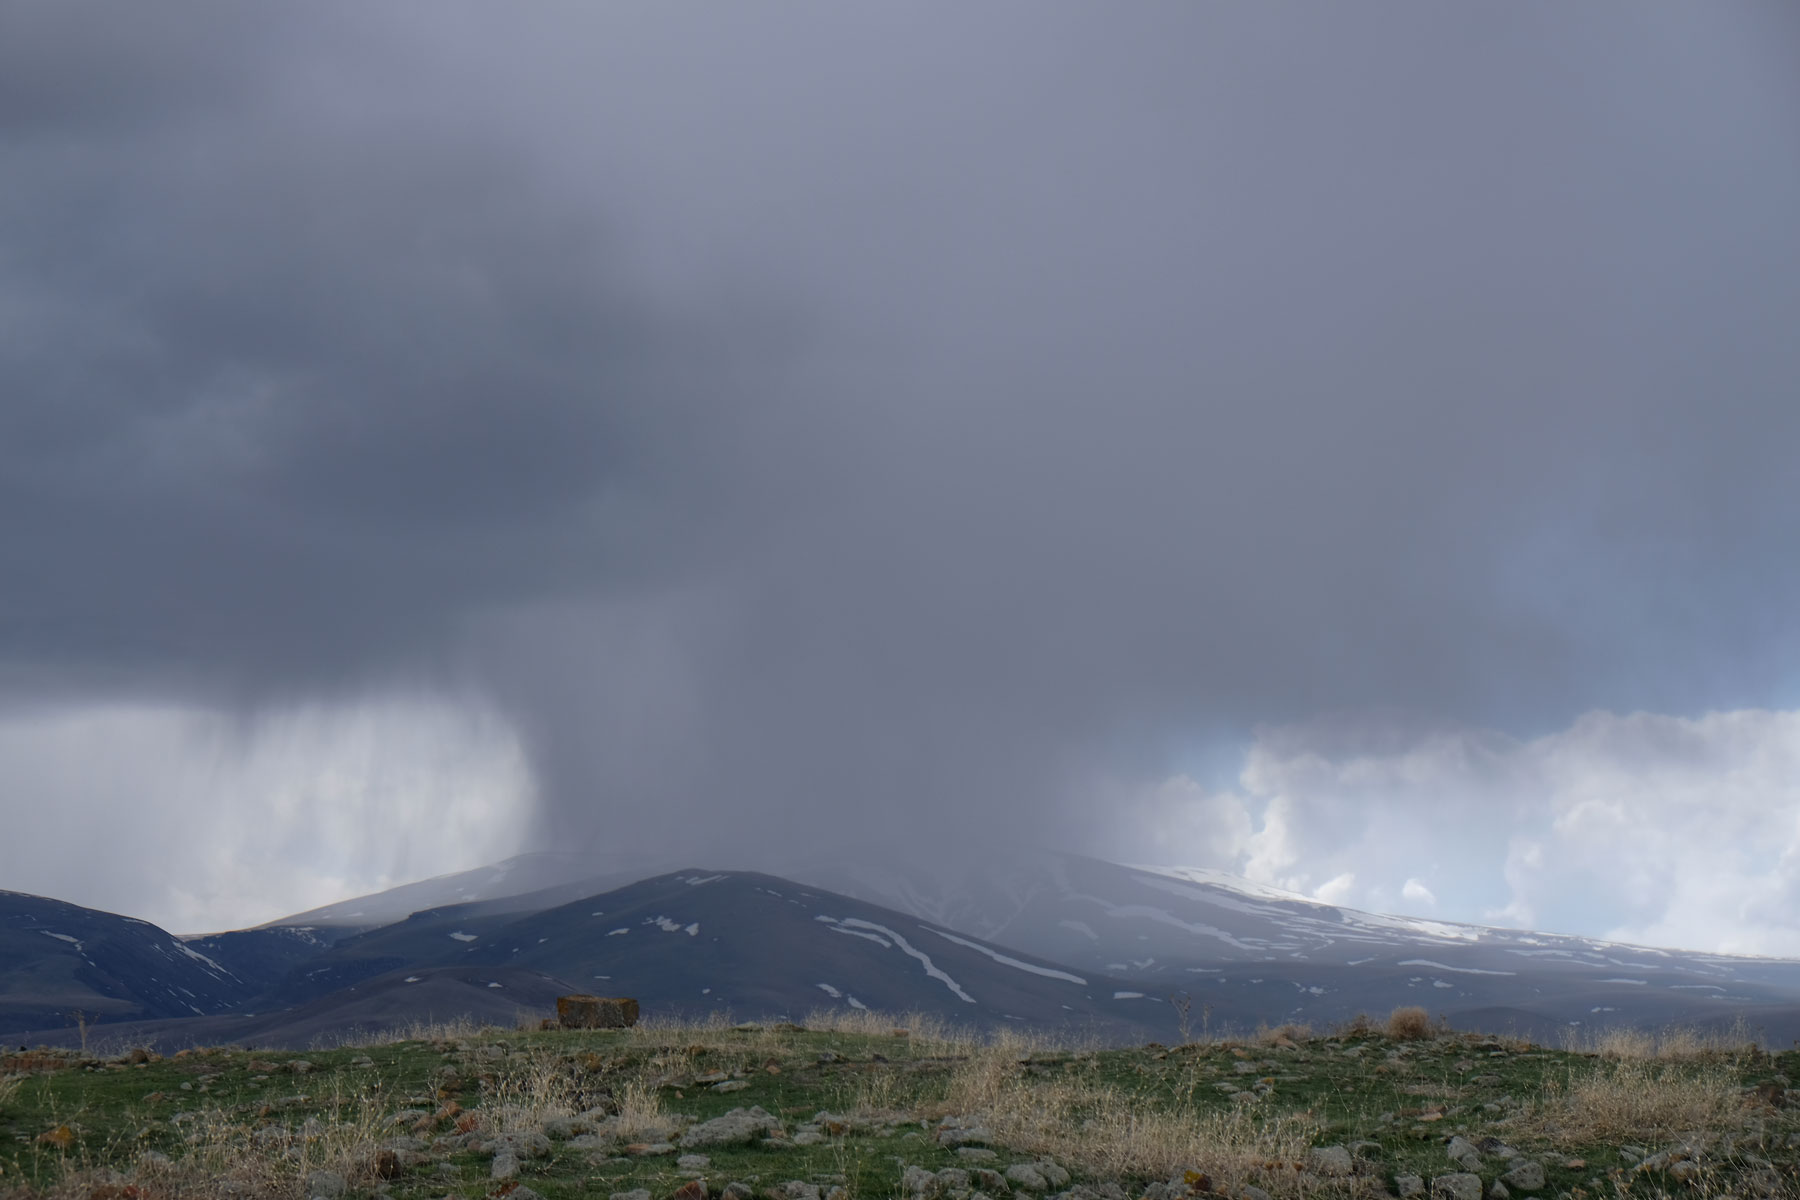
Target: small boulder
<point>1526,1177</point>
<point>506,1165</point>
<point>1408,1186</point>
<point>1333,1161</point>
<point>328,1184</point>
<point>1461,1185</point>
<point>739,1126</point>
<point>596,1012</point>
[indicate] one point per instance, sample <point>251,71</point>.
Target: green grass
<point>221,1121</point>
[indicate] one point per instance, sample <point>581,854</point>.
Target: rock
<point>1526,1177</point>
<point>1330,1160</point>
<point>737,1191</point>
<point>523,1193</point>
<point>808,1137</point>
<point>564,1128</point>
<point>633,1194</point>
<point>596,1012</point>
<point>989,1181</point>
<point>1250,1191</point>
<point>953,1180</point>
<point>523,1143</point>
<point>1462,1185</point>
<point>1463,1153</point>
<point>731,1085</point>
<point>1050,1171</point>
<point>1409,1185</point>
<point>693,1189</point>
<point>693,1162</point>
<point>976,1154</point>
<point>953,1131</point>
<point>917,1181</point>
<point>506,1165</point>
<point>795,1189</point>
<point>1497,1191</point>
<point>1028,1177</point>
<point>712,1077</point>
<point>649,1149</point>
<point>328,1184</point>
<point>740,1125</point>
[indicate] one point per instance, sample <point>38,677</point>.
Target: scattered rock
<point>737,1191</point>
<point>1330,1160</point>
<point>1526,1177</point>
<point>731,1085</point>
<point>1027,1177</point>
<point>954,1131</point>
<point>633,1194</point>
<point>740,1125</point>
<point>795,1189</point>
<point>1497,1191</point>
<point>693,1189</point>
<point>506,1165</point>
<point>1463,1153</point>
<point>976,1154</point>
<point>1462,1185</point>
<point>328,1184</point>
<point>693,1162</point>
<point>649,1149</point>
<point>1409,1185</point>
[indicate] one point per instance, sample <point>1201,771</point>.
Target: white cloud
<point>1416,891</point>
<point>197,821</point>
<point>1678,831</point>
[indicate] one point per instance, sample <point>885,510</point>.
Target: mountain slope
<point>1211,934</point>
<point>755,945</point>
<point>61,958</point>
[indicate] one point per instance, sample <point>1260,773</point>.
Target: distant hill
<point>59,958</point>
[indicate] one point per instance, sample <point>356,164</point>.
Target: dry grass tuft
<point>1637,1100</point>
<point>1409,1024</point>
<point>1098,1128</point>
<point>1678,1043</point>
<point>1286,1036</point>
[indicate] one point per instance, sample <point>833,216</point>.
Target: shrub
<point>1409,1023</point>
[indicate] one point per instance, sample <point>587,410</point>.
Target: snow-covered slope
<point>1182,930</point>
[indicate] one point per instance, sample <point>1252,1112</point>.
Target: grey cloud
<point>867,421</point>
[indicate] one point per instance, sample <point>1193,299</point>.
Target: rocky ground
<point>882,1107</point>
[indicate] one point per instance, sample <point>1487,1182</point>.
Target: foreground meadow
<point>850,1106</point>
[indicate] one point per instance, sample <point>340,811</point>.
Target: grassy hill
<point>863,1105</point>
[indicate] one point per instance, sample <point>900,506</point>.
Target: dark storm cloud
<point>884,418</point>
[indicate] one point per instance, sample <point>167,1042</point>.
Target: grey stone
<point>633,1194</point>
<point>1409,1185</point>
<point>1461,1185</point>
<point>954,1132</point>
<point>1463,1153</point>
<point>976,1154</point>
<point>564,1128</point>
<point>796,1189</point>
<point>917,1181</point>
<point>740,1125</point>
<point>808,1137</point>
<point>737,1191</point>
<point>1250,1191</point>
<point>1330,1160</point>
<point>1060,1178</point>
<point>506,1165</point>
<point>989,1181</point>
<point>1497,1191</point>
<point>731,1085</point>
<point>1027,1176</point>
<point>1526,1177</point>
<point>328,1184</point>
<point>693,1162</point>
<point>525,1144</point>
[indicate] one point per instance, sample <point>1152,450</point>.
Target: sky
<point>1351,446</point>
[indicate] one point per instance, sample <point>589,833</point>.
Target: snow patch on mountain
<point>1008,961</point>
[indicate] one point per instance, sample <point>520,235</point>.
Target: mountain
<point>752,945</point>
<point>523,883</point>
<point>1211,935</point>
<point>61,958</point>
